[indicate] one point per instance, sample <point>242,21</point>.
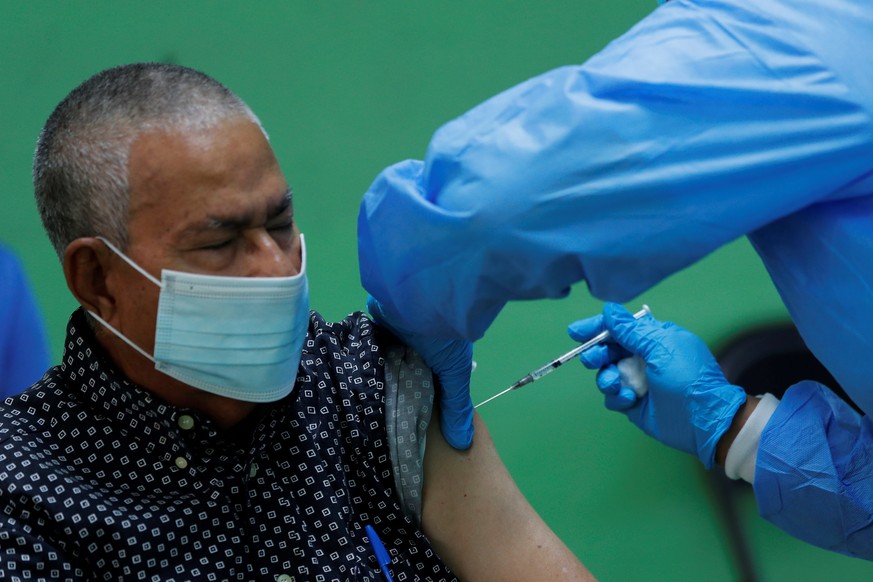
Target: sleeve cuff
<point>409,396</point>
<point>743,453</point>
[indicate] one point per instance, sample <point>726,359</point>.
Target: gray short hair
<point>80,165</point>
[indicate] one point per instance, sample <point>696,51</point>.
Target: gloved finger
<point>609,380</point>
<point>448,358</point>
<point>599,355</point>
<point>456,414</point>
<point>625,399</point>
<point>602,355</point>
<point>595,357</point>
<point>453,364</point>
<point>638,336</point>
<point>583,330</point>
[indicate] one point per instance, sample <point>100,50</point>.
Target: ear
<point>87,262</point>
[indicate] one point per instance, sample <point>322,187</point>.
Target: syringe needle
<point>495,396</point>
<point>524,381</point>
<point>554,364</point>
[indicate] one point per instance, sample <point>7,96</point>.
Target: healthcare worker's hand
<point>689,404</point>
<point>452,362</point>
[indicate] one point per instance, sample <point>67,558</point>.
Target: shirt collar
<point>94,379</point>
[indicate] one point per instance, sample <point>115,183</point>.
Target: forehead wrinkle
<point>225,223</point>
<point>239,221</point>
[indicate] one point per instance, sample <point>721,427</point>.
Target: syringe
<point>556,363</point>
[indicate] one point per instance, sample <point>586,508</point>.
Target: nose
<point>268,258</point>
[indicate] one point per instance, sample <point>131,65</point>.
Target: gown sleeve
<point>704,122</point>
<point>814,475</point>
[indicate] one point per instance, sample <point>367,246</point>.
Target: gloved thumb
<point>639,336</point>
<point>456,418</point>
<point>452,363</point>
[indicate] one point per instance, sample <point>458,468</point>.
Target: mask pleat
<point>239,337</point>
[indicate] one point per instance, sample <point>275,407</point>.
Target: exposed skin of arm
<point>480,523</point>
<point>742,415</point>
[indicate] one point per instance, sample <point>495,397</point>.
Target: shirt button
<point>253,470</point>
<point>181,462</point>
<point>185,422</point>
<point>284,578</point>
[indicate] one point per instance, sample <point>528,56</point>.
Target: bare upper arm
<point>480,523</point>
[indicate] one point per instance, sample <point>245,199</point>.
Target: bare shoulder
<point>479,521</point>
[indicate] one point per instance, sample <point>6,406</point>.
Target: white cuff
<point>741,457</point>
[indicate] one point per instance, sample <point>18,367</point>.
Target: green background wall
<point>346,88</point>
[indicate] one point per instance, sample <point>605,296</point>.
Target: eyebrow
<point>276,208</point>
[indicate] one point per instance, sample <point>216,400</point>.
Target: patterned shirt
<point>100,479</point>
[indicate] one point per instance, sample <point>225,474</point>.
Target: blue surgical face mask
<point>239,337</point>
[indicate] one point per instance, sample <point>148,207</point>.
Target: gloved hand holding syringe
<point>633,368</point>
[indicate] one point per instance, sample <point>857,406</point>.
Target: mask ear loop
<point>121,336</point>
<point>124,257</point>
<point>102,321</point>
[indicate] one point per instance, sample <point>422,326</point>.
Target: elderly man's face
<point>212,202</point>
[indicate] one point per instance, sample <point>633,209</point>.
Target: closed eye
<point>284,225</point>
<point>217,246</point>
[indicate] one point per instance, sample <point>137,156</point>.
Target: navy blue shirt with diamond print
<point>101,480</point>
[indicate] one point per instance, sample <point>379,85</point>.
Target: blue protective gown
<point>24,352</point>
<point>707,121</point>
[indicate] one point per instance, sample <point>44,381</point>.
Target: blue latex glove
<point>689,404</point>
<point>452,362</point>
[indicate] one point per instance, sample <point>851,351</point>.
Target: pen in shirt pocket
<point>382,556</point>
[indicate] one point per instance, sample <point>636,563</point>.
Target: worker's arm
<point>807,456</point>
<point>704,122</point>
<point>694,128</point>
<point>480,523</point>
